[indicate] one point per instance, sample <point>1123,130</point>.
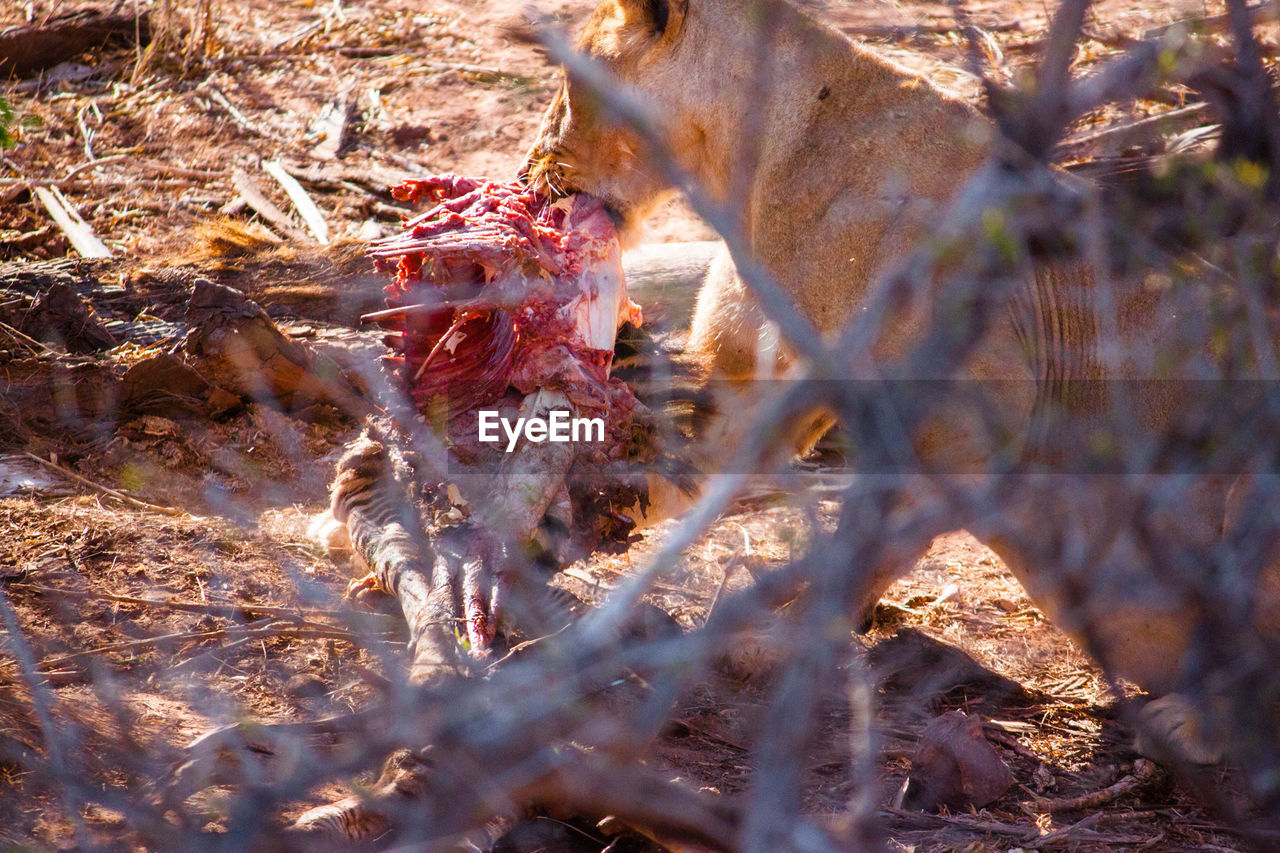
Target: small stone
<point>955,766</point>
<point>303,685</point>
<point>1042,779</point>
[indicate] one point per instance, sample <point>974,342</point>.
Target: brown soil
<point>459,89</point>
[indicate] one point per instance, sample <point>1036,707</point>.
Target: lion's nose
<point>535,166</point>
<point>525,174</point>
<point>539,154</point>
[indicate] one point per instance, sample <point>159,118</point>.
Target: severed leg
<point>459,581</point>
<point>388,536</point>
<point>509,508</point>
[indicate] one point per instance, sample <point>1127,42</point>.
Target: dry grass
<point>167,147</point>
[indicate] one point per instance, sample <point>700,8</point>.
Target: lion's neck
<point>757,120</point>
<point>752,69</point>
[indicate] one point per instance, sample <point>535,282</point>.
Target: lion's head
<point>579,148</point>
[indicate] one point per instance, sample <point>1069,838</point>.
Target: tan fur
<point>856,157</point>
<point>836,193</point>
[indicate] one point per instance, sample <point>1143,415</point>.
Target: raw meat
<point>505,299</point>
<point>497,287</point>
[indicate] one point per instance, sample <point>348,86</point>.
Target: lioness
<point>847,159</point>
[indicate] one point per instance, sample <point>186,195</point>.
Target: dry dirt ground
<point>144,146</point>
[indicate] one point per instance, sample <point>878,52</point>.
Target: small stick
<point>734,563</point>
<point>440,344</point>
<point>306,207</point>
<point>181,172</point>
<point>86,133</point>
<point>660,586</point>
<point>362,51</point>
<point>1143,771</point>
<point>82,238</point>
<point>301,614</point>
<point>729,568</point>
<point>275,629</point>
<point>92,164</point>
<point>130,155</point>
<point>1064,832</point>
<point>519,647</point>
<point>209,653</point>
<point>215,94</point>
<point>904,32</point>
<point>471,69</point>
<point>933,820</point>
<point>302,33</point>
<point>120,496</point>
<point>26,340</point>
<point>263,205</point>
<point>1191,112</point>
<point>430,308</point>
<point>1261,13</point>
<point>95,182</point>
<point>402,310</point>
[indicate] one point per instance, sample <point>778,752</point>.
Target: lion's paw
<point>1172,729</point>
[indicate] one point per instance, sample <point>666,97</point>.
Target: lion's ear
<point>663,17</point>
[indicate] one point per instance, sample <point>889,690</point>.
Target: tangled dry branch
<point>1197,236</point>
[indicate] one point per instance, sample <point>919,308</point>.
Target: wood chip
<point>82,238</point>
<point>254,197</point>
<point>301,201</point>
<point>333,127</point>
<point>216,95</point>
<point>25,49</point>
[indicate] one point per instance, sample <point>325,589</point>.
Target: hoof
<point>329,533</point>
<point>365,590</point>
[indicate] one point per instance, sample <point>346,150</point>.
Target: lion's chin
<point>617,216</point>
<point>627,217</point>
<point>628,220</point>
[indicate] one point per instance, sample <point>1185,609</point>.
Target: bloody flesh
<point>497,288</point>
<point>503,298</point>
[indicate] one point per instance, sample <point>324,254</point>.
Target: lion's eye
<point>661,12</point>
